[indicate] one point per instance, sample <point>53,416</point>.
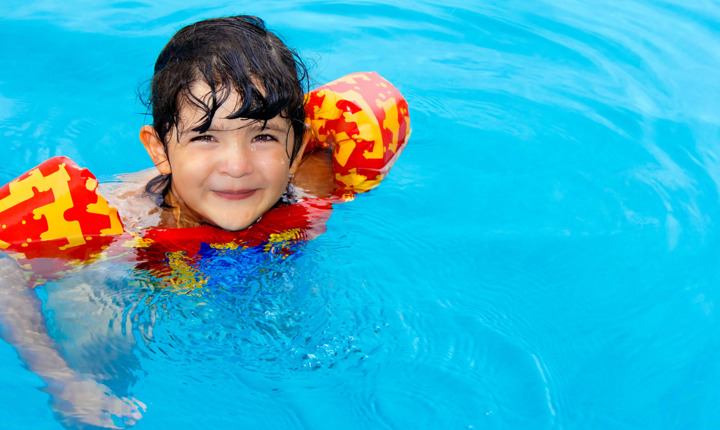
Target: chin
<point>232,226</point>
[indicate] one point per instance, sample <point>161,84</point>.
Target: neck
<point>181,216</point>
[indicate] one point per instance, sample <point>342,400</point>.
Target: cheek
<point>275,164</point>
<point>188,169</point>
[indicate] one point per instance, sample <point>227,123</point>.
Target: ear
<point>155,148</point>
<point>299,157</point>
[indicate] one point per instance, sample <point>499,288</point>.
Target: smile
<point>234,195</point>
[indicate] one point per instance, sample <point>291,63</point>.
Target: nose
<point>236,160</point>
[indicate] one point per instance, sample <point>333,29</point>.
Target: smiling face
<point>229,175</point>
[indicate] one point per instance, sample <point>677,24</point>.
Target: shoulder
<point>126,193</point>
<point>314,176</point>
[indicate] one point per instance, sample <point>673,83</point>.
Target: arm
<point>315,175</point>
<point>22,324</point>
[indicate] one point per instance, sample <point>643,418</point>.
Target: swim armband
<point>365,121</point>
<point>53,214</point>
<point>54,202</point>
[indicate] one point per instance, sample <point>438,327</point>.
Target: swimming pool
<point>543,255</point>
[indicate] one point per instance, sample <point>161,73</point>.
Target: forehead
<point>193,109</point>
<point>191,106</point>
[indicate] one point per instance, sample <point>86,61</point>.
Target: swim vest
<point>52,219</point>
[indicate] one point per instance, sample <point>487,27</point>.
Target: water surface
<point>544,254</point>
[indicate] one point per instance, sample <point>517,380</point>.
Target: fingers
<point>87,402</point>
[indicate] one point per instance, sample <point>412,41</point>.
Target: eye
<point>203,138</point>
<point>264,138</point>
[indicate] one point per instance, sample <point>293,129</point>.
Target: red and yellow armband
<point>365,120</point>
<point>54,213</point>
<point>53,209</point>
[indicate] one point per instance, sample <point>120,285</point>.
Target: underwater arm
<point>22,324</point>
<point>75,398</point>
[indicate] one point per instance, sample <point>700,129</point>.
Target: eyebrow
<point>271,125</point>
<point>255,125</point>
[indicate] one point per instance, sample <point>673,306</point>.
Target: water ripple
<point>541,256</point>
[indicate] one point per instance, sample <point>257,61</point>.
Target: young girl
<point>241,152</point>
<point>228,129</point>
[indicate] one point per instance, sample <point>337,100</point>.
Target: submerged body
<point>358,127</point>
<point>245,158</point>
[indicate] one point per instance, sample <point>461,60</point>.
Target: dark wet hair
<point>228,54</point>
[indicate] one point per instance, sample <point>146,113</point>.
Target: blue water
<point>544,255</point>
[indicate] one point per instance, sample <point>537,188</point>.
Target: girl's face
<point>234,172</point>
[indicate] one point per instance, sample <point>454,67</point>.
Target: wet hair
<point>228,54</point>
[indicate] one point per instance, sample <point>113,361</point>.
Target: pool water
<point>544,254</point>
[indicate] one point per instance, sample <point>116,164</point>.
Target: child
<point>230,142</point>
<point>228,131</point>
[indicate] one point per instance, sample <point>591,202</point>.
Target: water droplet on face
<point>253,148</point>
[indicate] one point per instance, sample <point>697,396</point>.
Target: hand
<point>82,402</point>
